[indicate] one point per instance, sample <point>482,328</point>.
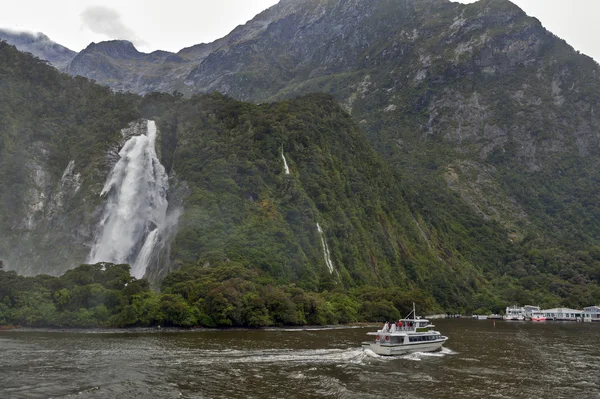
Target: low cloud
<point>107,22</point>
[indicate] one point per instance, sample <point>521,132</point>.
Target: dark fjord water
<point>510,360</point>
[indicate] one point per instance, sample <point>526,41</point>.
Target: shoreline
<point>133,330</point>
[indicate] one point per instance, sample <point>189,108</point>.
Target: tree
<point>1,264</point>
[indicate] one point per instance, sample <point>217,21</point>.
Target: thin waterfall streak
<point>285,164</point>
<point>141,263</point>
<point>136,208</point>
<point>326,253</point>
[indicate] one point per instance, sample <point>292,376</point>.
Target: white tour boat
<point>407,336</point>
<point>514,313</point>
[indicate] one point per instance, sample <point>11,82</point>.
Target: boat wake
<point>317,328</point>
<point>350,356</point>
<point>418,356</point>
<point>288,356</point>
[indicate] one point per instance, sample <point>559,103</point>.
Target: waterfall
<point>136,209</point>
<point>285,165</point>
<point>328,261</point>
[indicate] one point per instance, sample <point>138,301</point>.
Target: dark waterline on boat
<point>521,360</point>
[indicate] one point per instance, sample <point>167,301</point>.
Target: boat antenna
<point>412,312</point>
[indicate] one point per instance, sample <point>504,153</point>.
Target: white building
<point>563,314</point>
<point>591,313</point>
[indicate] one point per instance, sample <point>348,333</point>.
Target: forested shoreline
<point>105,295</point>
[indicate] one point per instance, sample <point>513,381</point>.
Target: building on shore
<point>563,314</point>
<point>591,313</point>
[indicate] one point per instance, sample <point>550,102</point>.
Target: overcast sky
<point>174,24</point>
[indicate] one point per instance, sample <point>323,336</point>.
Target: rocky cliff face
<point>476,96</point>
<point>39,45</point>
<point>118,65</point>
<point>54,226</point>
<point>469,86</point>
<point>480,76</point>
<point>56,137</point>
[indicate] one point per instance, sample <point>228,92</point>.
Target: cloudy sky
<point>175,24</point>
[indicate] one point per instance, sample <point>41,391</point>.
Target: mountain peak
<point>114,48</point>
<point>39,45</point>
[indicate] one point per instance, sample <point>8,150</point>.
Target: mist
<point>107,22</point>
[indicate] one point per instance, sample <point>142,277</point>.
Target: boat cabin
<point>415,325</point>
<point>406,331</point>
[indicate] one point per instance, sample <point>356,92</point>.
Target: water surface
<point>512,360</point>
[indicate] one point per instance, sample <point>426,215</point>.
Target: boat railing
<point>396,328</point>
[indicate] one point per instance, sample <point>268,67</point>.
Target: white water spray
<point>328,261</point>
<point>136,209</point>
<point>285,165</point>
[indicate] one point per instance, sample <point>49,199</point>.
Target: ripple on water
<point>485,361</point>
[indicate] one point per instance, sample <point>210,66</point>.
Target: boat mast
<point>414,312</point>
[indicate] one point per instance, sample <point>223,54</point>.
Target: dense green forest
<point>225,295</point>
<point>243,207</point>
<point>247,250</point>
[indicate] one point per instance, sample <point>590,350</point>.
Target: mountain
<point>118,64</point>
<point>269,187</point>
<point>40,46</point>
<point>482,111</point>
<point>453,158</point>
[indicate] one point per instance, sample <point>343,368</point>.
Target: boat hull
<point>403,349</point>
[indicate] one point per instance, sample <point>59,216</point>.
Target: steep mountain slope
<point>484,114</point>
<point>273,187</point>
<point>295,189</point>
<point>120,66</point>
<point>39,45</point>
<point>485,193</point>
<point>465,86</point>
<point>55,132</point>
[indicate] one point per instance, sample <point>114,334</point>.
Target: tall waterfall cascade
<point>328,261</point>
<point>285,164</point>
<point>135,214</point>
